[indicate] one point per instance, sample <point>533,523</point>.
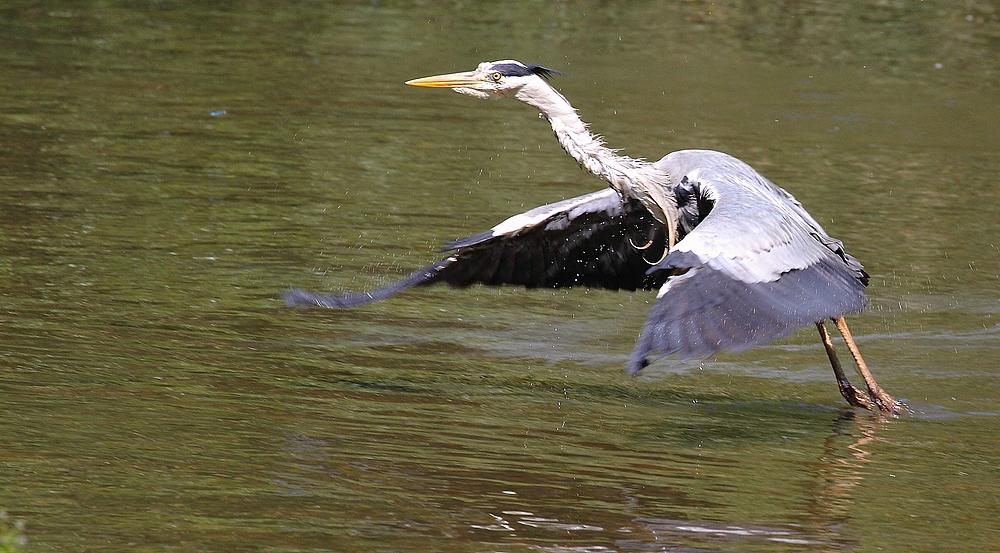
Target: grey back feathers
<point>753,269</point>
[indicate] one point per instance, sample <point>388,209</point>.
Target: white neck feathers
<point>635,178</point>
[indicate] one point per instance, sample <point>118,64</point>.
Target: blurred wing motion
<point>598,240</point>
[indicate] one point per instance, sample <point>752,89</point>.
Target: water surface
<point>167,169</point>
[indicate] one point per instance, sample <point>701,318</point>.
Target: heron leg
<point>883,400</point>
<point>853,395</point>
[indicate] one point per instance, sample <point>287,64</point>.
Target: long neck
<point>635,178</point>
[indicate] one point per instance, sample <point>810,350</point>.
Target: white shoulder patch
<point>539,215</point>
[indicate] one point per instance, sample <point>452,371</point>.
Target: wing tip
<point>297,297</point>
<point>636,365</point>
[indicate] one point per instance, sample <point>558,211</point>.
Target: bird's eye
<point>496,77</point>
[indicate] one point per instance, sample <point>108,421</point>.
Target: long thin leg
<point>854,396</point>
<point>885,402</point>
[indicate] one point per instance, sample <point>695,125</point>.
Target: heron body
<point>736,260</point>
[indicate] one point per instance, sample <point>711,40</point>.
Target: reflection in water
<point>838,472</point>
<point>541,514</point>
<point>527,518</point>
<point>731,537</point>
<point>840,468</point>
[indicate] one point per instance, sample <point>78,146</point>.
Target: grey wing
<point>750,271</point>
<point>595,240</point>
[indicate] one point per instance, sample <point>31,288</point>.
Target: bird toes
<point>856,397</point>
<point>888,404</point>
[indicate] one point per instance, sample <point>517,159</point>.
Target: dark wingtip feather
<point>296,297</point>
<point>636,364</point>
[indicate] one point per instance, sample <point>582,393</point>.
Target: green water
<point>168,168</point>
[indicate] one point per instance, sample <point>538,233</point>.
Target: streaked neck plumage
<point>635,178</point>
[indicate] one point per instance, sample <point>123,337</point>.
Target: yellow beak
<point>469,79</point>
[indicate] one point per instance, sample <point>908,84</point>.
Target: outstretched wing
<point>752,269</point>
<point>596,240</point>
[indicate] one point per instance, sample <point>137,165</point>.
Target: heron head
<point>491,80</point>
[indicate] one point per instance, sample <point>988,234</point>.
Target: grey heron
<point>737,261</point>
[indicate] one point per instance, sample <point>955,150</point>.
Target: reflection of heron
<point>738,262</point>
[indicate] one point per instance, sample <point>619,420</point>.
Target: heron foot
<point>875,399</point>
<point>885,402</point>
<point>857,397</point>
